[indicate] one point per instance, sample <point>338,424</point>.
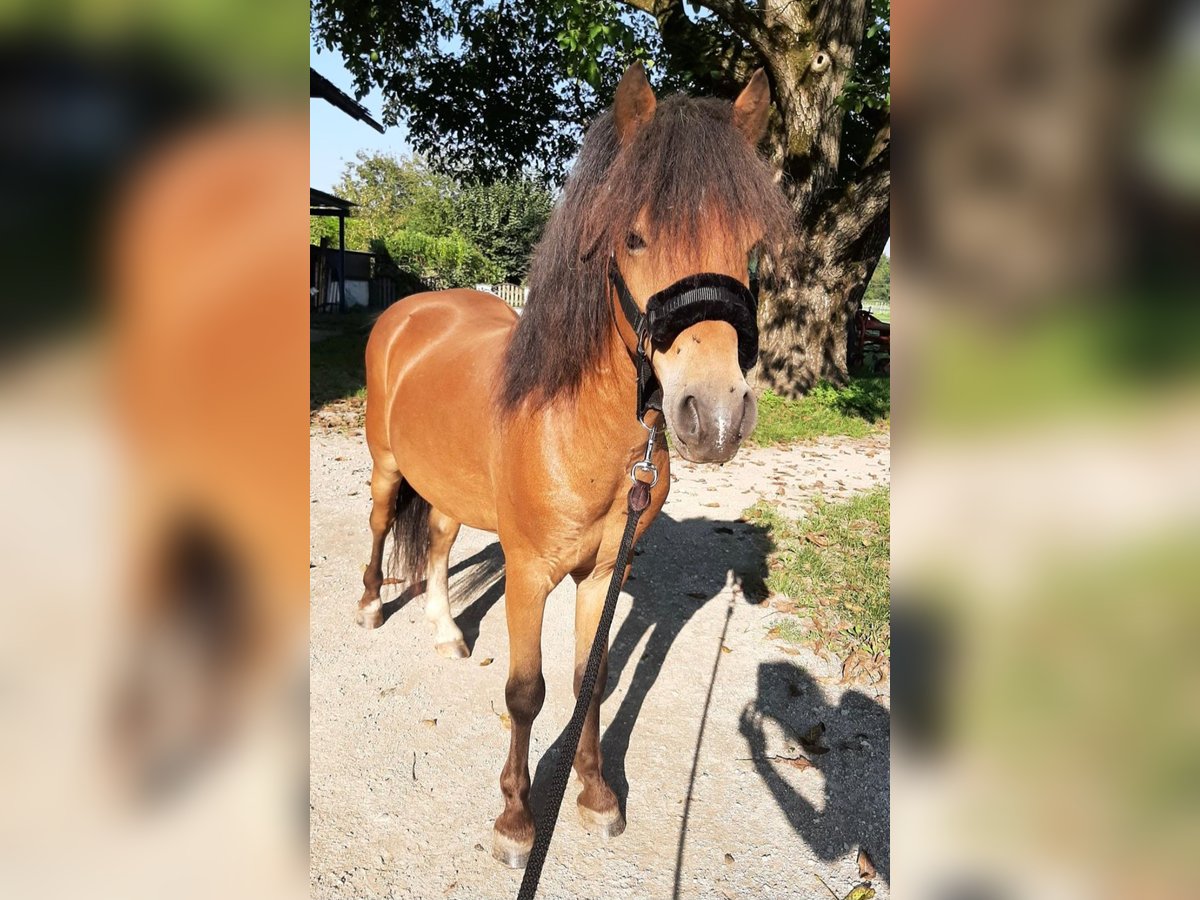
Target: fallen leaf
<point>818,538</point>
<point>725,649</point>
<point>774,632</point>
<point>506,721</point>
<point>862,892</point>
<point>486,662</point>
<point>431,723</point>
<point>696,595</point>
<point>866,868</point>
<point>713,505</point>
<point>729,859</point>
<point>798,762</point>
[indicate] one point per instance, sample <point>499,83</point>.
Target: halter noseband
<point>696,298</point>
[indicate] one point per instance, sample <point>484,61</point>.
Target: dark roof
<point>327,204</point>
<point>322,87</point>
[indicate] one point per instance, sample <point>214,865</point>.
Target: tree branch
<point>842,217</point>
<point>690,45</point>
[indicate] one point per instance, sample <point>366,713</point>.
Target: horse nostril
<point>747,415</point>
<point>688,425</point>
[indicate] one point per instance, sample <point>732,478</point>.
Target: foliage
<point>879,288</point>
<point>479,84</point>
<point>833,567</point>
<point>859,409</point>
<point>866,97</point>
<point>451,260</point>
<point>391,193</point>
<point>504,219</point>
<point>491,90</point>
<point>435,227</point>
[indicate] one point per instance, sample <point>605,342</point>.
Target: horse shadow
<point>852,754</point>
<point>484,581</point>
<point>690,564</point>
<point>690,561</point>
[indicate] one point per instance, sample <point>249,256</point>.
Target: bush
<point>452,261</point>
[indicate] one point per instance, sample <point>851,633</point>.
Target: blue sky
<point>334,137</point>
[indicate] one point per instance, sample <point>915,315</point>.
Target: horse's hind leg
<point>385,483</point>
<point>449,639</point>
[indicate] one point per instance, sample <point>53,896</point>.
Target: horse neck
<point>608,395</point>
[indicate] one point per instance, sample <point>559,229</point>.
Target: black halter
<point>696,298</point>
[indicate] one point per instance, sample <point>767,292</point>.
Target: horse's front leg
<point>598,806</point>
<point>528,585</point>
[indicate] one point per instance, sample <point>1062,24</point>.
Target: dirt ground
<point>406,747</point>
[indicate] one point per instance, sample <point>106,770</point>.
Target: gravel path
<point>406,748</point>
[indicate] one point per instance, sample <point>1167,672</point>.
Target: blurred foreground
<point>1047,421</point>
<point>153,438</point>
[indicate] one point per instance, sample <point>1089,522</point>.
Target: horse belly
<point>442,423</point>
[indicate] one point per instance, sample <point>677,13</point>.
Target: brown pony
<point>526,426</point>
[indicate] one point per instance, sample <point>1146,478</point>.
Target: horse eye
<point>634,241</point>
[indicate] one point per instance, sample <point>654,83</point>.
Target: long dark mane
<point>691,170</point>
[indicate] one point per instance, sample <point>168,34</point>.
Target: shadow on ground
<point>686,566</point>
<point>856,767</point>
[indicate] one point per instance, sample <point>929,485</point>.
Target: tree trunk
<point>806,303</point>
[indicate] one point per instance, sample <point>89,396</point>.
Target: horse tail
<point>410,535</point>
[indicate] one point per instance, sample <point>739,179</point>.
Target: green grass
<point>831,572</point>
<point>337,371</point>
<point>861,408</point>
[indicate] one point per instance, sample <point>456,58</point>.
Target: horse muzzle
<point>709,422</point>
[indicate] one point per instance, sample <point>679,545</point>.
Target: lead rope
<point>639,499</point>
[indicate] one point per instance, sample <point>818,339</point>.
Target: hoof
<point>608,824</point>
<point>452,649</point>
<point>371,615</point>
<point>512,853</point>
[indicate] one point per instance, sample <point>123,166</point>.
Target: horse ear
<point>752,106</point>
<point>634,104</point>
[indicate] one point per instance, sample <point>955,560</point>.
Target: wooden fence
<point>512,294</point>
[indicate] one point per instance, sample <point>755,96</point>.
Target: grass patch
<point>831,574</point>
<point>862,407</point>
<point>337,371</point>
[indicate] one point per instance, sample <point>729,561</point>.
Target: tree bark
<point>805,307</point>
<point>807,300</point>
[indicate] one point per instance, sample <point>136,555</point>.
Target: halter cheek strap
<point>696,298</point>
<point>649,391</point>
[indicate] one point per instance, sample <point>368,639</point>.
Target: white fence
<point>512,294</point>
